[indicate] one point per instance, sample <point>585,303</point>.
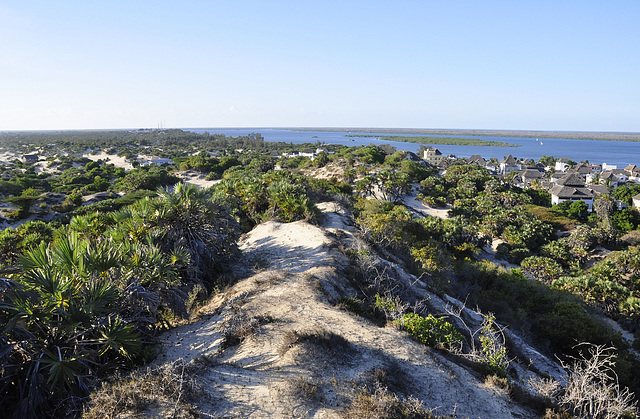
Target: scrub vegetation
<point>437,140</point>
<point>89,284</point>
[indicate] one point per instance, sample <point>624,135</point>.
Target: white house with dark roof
<point>509,164</point>
<point>581,169</point>
<point>433,156</point>
<point>478,159</point>
<point>607,178</point>
<point>572,188</point>
<point>528,176</point>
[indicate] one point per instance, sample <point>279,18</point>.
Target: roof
<point>564,160</point>
<point>477,158</point>
<point>509,161</point>
<point>531,174</point>
<point>599,189</point>
<point>606,175</point>
<point>571,179</point>
<point>582,169</point>
<point>571,192</point>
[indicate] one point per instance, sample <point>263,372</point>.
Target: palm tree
<point>190,220</point>
<point>61,327</point>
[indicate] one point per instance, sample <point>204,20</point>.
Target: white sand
<point>114,159</point>
<point>196,178</point>
<point>296,292</point>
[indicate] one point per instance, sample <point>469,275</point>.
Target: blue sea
<point>620,153</point>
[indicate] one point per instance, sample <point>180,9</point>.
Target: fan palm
<point>190,220</point>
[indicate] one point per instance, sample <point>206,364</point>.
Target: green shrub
<point>432,331</point>
<point>494,353</point>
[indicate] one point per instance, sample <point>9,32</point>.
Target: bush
<point>432,331</point>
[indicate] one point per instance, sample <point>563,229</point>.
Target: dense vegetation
<point>87,288</point>
<point>438,140</point>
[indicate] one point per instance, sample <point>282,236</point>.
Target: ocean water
<point>620,153</point>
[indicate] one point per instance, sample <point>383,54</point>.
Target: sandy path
<point>420,207</point>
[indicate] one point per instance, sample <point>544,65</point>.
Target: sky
<point>518,65</point>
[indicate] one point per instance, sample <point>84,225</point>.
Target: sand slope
<point>290,351</point>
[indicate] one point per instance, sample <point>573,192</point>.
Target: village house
<point>556,176</point>
<point>607,178</point>
<point>635,201</point>
<point>509,164</point>
<point>571,187</point>
<point>30,158</point>
<point>528,177</point>
<point>620,175</point>
<point>595,168</point>
<point>477,159</point>
<point>562,164</point>
<point>633,173</point>
<point>307,152</point>
<point>433,156</point>
<point>582,170</point>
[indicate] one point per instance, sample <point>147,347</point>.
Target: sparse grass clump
<point>240,328</point>
<point>320,343</point>
<point>167,390</point>
<point>303,388</point>
<point>381,403</point>
<point>353,304</point>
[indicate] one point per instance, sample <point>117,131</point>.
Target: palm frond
<point>37,257</point>
<point>119,337</point>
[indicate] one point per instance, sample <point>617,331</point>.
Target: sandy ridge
<point>302,273</point>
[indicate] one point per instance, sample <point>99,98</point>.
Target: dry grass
<point>319,342</point>
<point>302,388</point>
<point>240,328</point>
<point>381,403</point>
<point>168,390</point>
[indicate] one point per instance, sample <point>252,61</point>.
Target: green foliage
<point>439,140</point>
<point>255,197</point>
<point>539,197</point>
<point>625,220</point>
<point>567,324</point>
<point>432,331</point>
<point>370,154</point>
<point>542,268</point>
<point>626,192</point>
<point>387,185</point>
<point>148,177</point>
<point>393,228</point>
<point>85,297</point>
<point>547,160</point>
<point>494,353</point>
<point>531,307</point>
<point>576,210</point>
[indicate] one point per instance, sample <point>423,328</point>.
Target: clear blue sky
<point>539,64</point>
